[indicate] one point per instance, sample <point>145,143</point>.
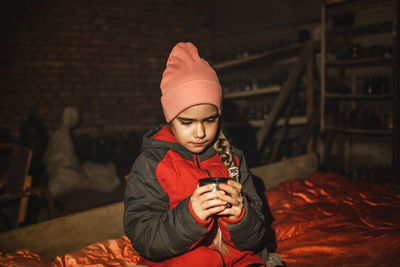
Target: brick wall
<point>105,57</point>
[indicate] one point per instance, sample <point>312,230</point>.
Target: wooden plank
<point>356,5</point>
<point>310,95</point>
<point>264,55</point>
<point>279,172</point>
<point>379,27</point>
<point>360,131</point>
<point>283,136</point>
<point>348,63</point>
<point>396,93</point>
<point>293,121</point>
<point>23,206</point>
<point>66,234</point>
<point>306,136</point>
<point>287,88</point>
<point>359,96</point>
<point>20,160</point>
<point>273,89</point>
<point>323,70</point>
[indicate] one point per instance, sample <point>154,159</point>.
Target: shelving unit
<point>279,96</point>
<point>358,96</point>
<point>358,57</point>
<point>275,89</point>
<point>359,62</point>
<point>293,121</point>
<point>286,51</point>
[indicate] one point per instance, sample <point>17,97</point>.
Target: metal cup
<point>215,181</point>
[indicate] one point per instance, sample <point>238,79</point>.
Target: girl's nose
<point>199,131</point>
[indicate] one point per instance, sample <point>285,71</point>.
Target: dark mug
<point>214,181</point>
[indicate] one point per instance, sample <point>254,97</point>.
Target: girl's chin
<point>196,148</point>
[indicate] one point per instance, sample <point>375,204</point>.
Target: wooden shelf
<point>274,89</point>
<point>334,2</point>
<point>373,26</point>
<point>359,96</point>
<point>271,53</point>
<point>359,62</point>
<point>360,131</point>
<point>352,5</point>
<point>301,120</point>
<point>379,27</point>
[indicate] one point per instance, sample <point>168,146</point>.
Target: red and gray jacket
<point>158,218</point>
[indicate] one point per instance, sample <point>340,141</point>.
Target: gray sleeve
<point>249,233</point>
<point>155,231</point>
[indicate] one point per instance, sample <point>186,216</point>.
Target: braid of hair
<point>224,150</point>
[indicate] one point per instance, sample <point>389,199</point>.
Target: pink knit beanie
<point>188,80</point>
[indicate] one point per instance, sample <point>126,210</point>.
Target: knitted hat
<point>188,80</point>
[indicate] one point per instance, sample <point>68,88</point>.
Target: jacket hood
<point>161,137</point>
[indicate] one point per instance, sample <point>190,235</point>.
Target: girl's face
<point>195,127</point>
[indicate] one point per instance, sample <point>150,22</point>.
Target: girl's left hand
<point>233,196</point>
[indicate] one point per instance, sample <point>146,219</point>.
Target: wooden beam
<point>322,146</point>
<point>323,68</point>
<point>287,88</point>
<point>396,95</point>
<point>310,95</point>
<point>23,205</point>
<point>289,112</point>
<point>306,136</point>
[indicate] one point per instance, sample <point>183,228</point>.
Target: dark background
<point>107,57</point>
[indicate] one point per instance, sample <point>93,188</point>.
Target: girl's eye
<point>211,120</point>
<point>186,122</point>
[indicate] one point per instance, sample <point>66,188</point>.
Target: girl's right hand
<point>206,203</point>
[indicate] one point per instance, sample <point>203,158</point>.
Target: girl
<point>169,218</point>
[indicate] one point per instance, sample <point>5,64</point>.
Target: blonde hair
<point>224,150</point>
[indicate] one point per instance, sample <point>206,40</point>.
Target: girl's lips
<point>199,144</point>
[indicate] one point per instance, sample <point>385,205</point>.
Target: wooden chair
<point>17,183</point>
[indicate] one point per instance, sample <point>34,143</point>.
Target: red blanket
<point>324,220</point>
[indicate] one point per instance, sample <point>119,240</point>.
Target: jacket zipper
<point>222,258</point>
<point>196,159</point>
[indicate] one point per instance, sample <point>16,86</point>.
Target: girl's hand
<point>206,203</point>
<point>232,196</point>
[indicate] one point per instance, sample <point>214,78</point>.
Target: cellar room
<point>112,112</point>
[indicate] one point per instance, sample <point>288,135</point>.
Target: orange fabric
<point>324,220</point>
<point>331,220</point>
<point>23,258</point>
<point>115,252</point>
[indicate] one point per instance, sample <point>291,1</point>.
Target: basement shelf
<point>360,131</point>
<point>359,96</point>
<point>379,27</point>
<point>359,62</point>
<point>269,53</point>
<point>301,120</point>
<point>260,91</point>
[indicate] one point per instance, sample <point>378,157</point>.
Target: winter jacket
<point>158,218</point>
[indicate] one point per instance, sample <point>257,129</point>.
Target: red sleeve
<point>201,222</point>
<point>207,224</point>
<point>227,220</point>
<point>223,225</point>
